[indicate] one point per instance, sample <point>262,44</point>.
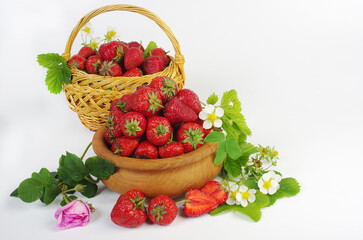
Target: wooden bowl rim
<point>101,149</point>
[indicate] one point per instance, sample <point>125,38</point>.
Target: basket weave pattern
<point>90,95</point>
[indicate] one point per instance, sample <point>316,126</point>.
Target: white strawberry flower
<point>269,183</point>
<point>94,42</point>
<point>248,195</point>
<point>111,34</point>
<point>87,30</point>
<point>234,195</point>
<point>211,116</point>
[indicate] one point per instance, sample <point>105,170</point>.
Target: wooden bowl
<point>168,176</point>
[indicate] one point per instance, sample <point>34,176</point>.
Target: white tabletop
<point>297,68</point>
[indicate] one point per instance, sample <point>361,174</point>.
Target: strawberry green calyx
<point>159,211</point>
<point>155,102</point>
<point>195,137</point>
<point>169,87</point>
<point>161,130</point>
<point>119,53</point>
<point>106,69</point>
<point>110,123</point>
<point>132,127</point>
<point>122,106</point>
<point>138,202</point>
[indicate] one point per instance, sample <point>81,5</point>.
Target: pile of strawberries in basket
<point>117,58</point>
<point>157,120</point>
<point>130,210</point>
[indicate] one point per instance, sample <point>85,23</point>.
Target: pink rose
<point>74,214</point>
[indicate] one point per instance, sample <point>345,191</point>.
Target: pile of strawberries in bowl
<point>117,58</point>
<point>156,121</point>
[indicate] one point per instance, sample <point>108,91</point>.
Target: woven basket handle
<point>179,59</point>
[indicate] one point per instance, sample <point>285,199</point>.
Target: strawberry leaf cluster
<point>71,176</point>
<point>244,164</point>
<point>58,72</point>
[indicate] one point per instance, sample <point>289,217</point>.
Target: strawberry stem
<point>182,201</point>
<point>85,151</point>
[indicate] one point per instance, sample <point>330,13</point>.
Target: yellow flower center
<point>267,184</point>
<point>94,45</point>
<point>233,195</point>
<point>87,30</point>
<point>245,195</point>
<point>112,33</point>
<point>212,117</point>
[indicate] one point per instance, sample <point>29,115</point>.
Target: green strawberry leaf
<point>54,79</point>
<point>251,184</point>
<point>288,187</point>
<point>30,190</point>
<point>221,153</point>
<point>214,136</point>
<point>232,148</point>
<point>50,60</point>
<point>252,210</point>
<point>149,47</point>
<point>212,99</point>
<point>262,200</point>
<point>58,71</point>
<point>234,122</point>
<point>246,150</point>
<point>232,167</point>
<point>100,168</point>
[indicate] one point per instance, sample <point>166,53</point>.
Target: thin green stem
<point>85,151</point>
<point>90,179</point>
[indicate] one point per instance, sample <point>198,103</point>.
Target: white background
<point>298,70</point>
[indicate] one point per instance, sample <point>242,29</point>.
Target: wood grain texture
<point>168,176</point>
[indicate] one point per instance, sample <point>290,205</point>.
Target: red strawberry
<point>117,105</point>
<point>147,101</point>
<point>124,146</point>
<point>158,130</point>
<point>152,65</point>
<point>133,194</point>
<point>113,51</point>
<point>109,137</point>
<point>146,150</point>
<point>78,62</point>
<point>190,135</point>
<point>199,203</point>
<point>127,99</point>
<point>176,112</point>
<point>86,51</point>
<point>93,63</point>
<point>167,87</point>
<point>114,123</point>
<point>129,211</point>
<point>215,189</point>
<point>136,45</point>
<point>134,72</point>
<point>159,52</point>
<point>171,150</point>
<point>189,98</point>
<point>110,68</point>
<point>133,58</point>
<point>133,124</point>
<point>162,210</point>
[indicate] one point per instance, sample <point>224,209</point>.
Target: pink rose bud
<point>74,214</point>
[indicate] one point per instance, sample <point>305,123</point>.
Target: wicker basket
<point>89,95</point>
